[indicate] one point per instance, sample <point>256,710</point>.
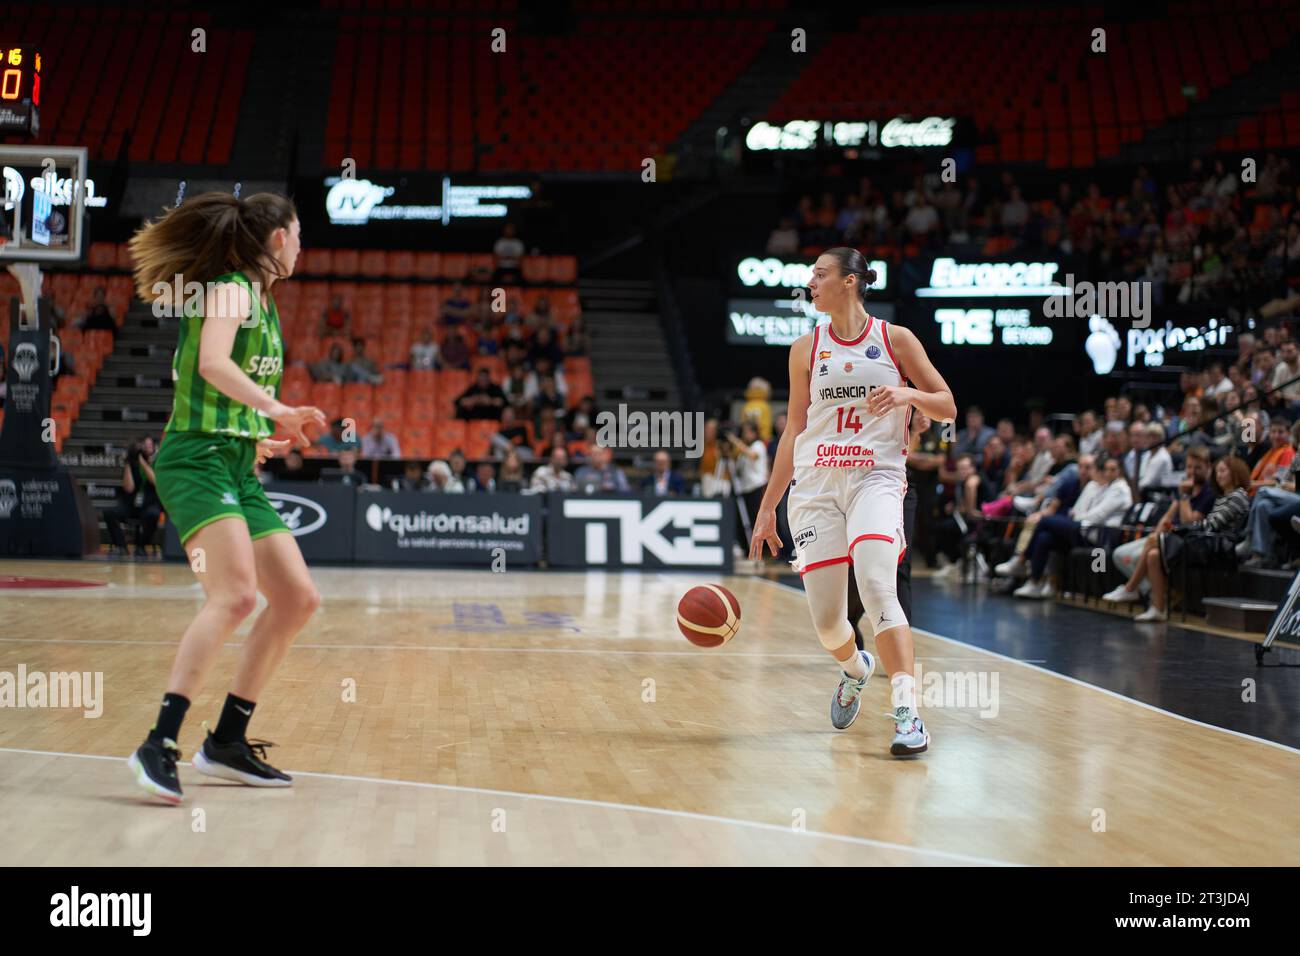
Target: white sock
<point>903,691</point>
<point>855,666</point>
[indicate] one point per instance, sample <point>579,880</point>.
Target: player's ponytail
<point>207,236</point>
<point>852,262</point>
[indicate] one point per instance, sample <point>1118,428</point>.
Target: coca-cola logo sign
<point>898,132</point>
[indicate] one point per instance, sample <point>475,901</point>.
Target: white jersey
<point>841,432</point>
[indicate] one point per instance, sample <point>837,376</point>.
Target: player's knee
<point>238,602</point>
<point>306,599</point>
<point>298,600</point>
<point>880,602</point>
<point>834,634</point>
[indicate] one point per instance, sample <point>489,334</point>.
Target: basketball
<point>709,615</point>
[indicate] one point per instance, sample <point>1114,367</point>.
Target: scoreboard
<point>20,89</point>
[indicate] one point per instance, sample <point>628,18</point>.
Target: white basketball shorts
<point>832,509</point>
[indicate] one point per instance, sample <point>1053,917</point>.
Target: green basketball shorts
<point>203,478</point>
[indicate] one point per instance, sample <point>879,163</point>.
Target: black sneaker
<point>154,767</point>
<point>241,761</point>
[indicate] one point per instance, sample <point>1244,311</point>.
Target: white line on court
<point>601,804</point>
<point>1074,680</point>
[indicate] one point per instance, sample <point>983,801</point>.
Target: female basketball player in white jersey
<point>843,455</point>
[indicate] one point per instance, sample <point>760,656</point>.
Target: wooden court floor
<point>465,717</point>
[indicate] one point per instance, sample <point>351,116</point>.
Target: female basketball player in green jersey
<point>226,373</point>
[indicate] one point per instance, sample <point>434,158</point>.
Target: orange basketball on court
<point>709,615</point>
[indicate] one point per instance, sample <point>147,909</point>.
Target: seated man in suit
<point>665,481</point>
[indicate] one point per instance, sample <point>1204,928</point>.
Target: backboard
<point>44,205</point>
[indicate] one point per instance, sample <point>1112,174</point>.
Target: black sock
<point>234,719</point>
<point>170,716</point>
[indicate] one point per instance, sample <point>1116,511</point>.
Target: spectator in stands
<point>1101,503</point>
<point>509,252</point>
<point>1188,418</point>
<point>664,480</point>
<point>1286,369</point>
<point>454,352</point>
<point>442,481</point>
<point>545,346</point>
<point>488,342</point>
<point>1216,383</point>
<point>554,475</point>
<point>550,436</point>
<point>1280,453</point>
<point>513,436</point>
<point>1041,466</point>
<point>576,342</point>
<point>1088,432</point>
<point>1224,526</point>
<point>544,369</point>
<point>511,477</point>
<point>483,400</point>
<point>548,397</point>
<point>1148,462</point>
<point>1271,508</point>
<point>337,440</point>
<point>99,316</point>
<point>378,443</point>
<point>961,513</point>
<point>348,472</point>
<point>784,240</point>
<point>1262,364</point>
<point>424,353</point>
<point>972,439</point>
<point>331,369</point>
<point>519,390</point>
<point>137,501</point>
<point>1058,498</point>
<point>456,307</point>
<point>1114,440</point>
<point>1194,501</point>
<point>1015,213</point>
<point>293,469</point>
<point>361,367</point>
<point>994,462</point>
<point>922,221</point>
<point>484,479</point>
<point>1020,458</point>
<point>412,478</point>
<point>459,466</point>
<point>600,474</point>
<point>335,319</point>
<point>540,315</point>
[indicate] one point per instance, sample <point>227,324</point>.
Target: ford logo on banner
<point>300,515</point>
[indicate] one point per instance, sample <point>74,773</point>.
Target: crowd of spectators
<point>1196,234</point>
<point>1218,470</point>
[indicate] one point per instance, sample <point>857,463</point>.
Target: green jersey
<point>258,350</point>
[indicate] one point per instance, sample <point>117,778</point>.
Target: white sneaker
<point>1023,503</point>
<point>1120,595</point>
<point>1152,613</point>
<point>1015,568</point>
<point>1027,589</point>
<point>949,572</point>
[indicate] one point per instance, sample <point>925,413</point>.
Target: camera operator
<point>137,501</point>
